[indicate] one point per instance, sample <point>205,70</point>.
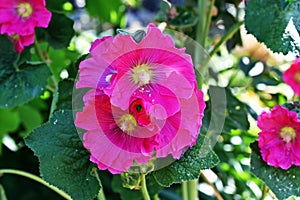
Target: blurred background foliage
<point>248,69</point>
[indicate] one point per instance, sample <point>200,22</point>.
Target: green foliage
<point>188,167</point>
<point>236,114</point>
<point>20,81</point>
<point>107,12</point>
<point>283,183</point>
<point>185,18</point>
<point>63,160</point>
<point>65,89</point>
<point>267,21</point>
<point>59,32</point>
<point>60,60</point>
<point>136,194</point>
<point>23,85</point>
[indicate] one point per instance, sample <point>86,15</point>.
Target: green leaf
<point>8,55</point>
<point>188,167</point>
<point>59,32</point>
<point>20,81</point>
<point>283,183</point>
<point>63,160</point>
<point>267,21</point>
<point>65,89</point>
<point>30,118</point>
<point>19,87</point>
<point>236,113</point>
<point>223,104</point>
<point>55,5</point>
<point>185,18</point>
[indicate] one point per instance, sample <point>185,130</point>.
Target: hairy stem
<point>35,178</point>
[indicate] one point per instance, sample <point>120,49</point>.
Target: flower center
<point>287,134</point>
<point>141,75</point>
<point>297,77</point>
<point>137,109</point>
<point>24,9</point>
<point>127,123</point>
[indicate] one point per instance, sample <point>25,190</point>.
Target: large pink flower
<point>292,76</point>
<point>20,17</point>
<point>279,139</point>
<point>143,101</point>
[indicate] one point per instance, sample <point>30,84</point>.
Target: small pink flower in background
<point>292,76</point>
<point>20,41</point>
<point>279,139</point>
<point>143,101</point>
<point>20,17</point>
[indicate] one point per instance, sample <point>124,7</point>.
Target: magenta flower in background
<point>292,76</point>
<point>20,41</point>
<point>143,101</point>
<point>20,17</point>
<point>279,139</point>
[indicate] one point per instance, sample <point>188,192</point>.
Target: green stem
<point>156,197</point>
<point>192,188</point>
<point>35,178</point>
<point>226,37</point>
<point>38,51</point>
<point>144,187</point>
<point>216,48</point>
<point>185,192</point>
<point>54,98</point>
<point>41,56</point>
<point>2,193</point>
<point>200,37</point>
<point>208,21</point>
<point>101,195</point>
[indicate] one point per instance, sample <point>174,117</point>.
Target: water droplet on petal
<point>55,121</point>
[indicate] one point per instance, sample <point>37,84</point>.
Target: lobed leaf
<point>188,167</point>
<point>63,160</point>
<point>283,183</point>
<point>267,20</point>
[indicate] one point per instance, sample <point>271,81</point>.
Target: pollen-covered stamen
<point>137,109</point>
<point>287,134</point>
<point>24,9</point>
<point>141,74</point>
<point>127,123</point>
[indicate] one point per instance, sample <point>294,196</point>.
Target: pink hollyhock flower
<point>20,17</point>
<point>279,139</point>
<point>143,101</point>
<point>21,40</point>
<point>292,76</point>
